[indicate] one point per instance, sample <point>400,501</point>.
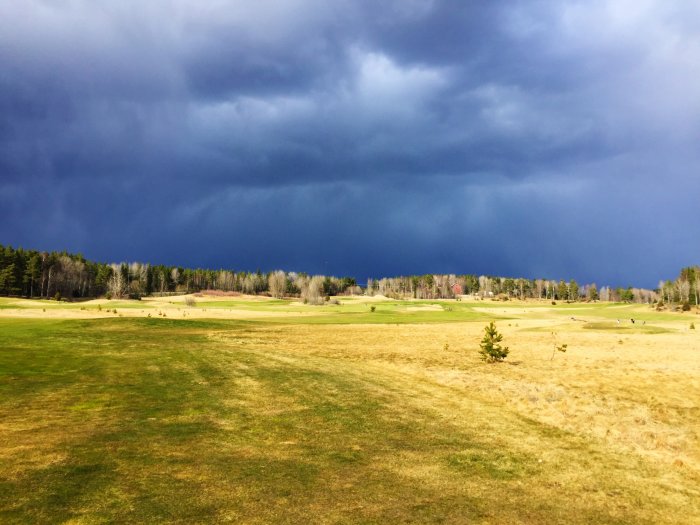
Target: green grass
<point>390,312</point>
<point>626,328</point>
<point>240,303</point>
<point>383,316</point>
<point>160,420</point>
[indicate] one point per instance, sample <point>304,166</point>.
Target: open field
<point>247,410</point>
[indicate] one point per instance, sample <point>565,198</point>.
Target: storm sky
<point>522,138</point>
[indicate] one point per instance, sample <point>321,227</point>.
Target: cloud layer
<point>538,138</point>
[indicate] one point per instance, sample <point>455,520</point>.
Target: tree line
<point>451,286</point>
<point>685,289</point>
<point>31,273</point>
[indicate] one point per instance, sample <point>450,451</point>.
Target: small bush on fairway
<point>189,301</point>
<point>491,351</point>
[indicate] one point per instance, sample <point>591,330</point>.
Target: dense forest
<point>31,273</point>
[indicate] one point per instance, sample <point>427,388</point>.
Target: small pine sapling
<point>491,350</point>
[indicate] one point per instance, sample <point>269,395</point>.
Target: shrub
<point>692,326</point>
<point>491,351</point>
<point>57,297</point>
<point>686,307</point>
<point>557,347</point>
<point>554,303</point>
<point>372,308</point>
<point>189,301</point>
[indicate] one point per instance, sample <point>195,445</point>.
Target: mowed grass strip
<point>155,420</point>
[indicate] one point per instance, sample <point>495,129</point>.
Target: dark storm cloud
<point>530,138</point>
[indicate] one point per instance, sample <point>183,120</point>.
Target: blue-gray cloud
<point>537,138</point>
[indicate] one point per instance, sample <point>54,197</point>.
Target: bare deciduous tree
<point>311,290</point>
<point>539,286</point>
<point>175,277</point>
<point>683,288</point>
<point>116,286</point>
<point>277,284</point>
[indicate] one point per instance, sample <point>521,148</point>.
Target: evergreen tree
<point>573,290</point>
<point>593,292</point>
<point>562,291</point>
<point>32,273</point>
<point>491,350</point>
<point>8,285</point>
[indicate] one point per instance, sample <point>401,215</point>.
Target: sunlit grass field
<point>250,410</point>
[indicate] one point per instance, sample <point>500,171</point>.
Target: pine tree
<point>491,351</point>
<point>562,291</point>
<point>8,286</point>
<point>32,273</point>
<point>573,290</point>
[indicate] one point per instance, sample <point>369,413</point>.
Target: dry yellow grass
<point>637,392</point>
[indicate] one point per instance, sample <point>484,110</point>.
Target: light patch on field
<point>425,308</point>
<point>510,311</point>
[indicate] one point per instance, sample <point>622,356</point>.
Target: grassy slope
<point>147,420</point>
